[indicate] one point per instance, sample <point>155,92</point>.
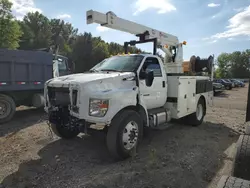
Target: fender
<point>137,105</point>
<point>143,109</point>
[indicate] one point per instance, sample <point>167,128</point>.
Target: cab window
<point>62,64</point>
<point>152,63</point>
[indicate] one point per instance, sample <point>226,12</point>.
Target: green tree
<point>67,35</point>
<point>82,51</point>
<point>100,51</point>
<point>234,65</point>
<point>37,31</point>
<point>239,61</point>
<point>224,65</point>
<point>10,32</point>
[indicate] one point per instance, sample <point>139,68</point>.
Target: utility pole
<point>56,50</point>
<point>57,45</point>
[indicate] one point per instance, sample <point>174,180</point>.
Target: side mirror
<point>149,78</point>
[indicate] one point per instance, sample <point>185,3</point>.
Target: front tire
<point>7,108</point>
<point>124,134</point>
<point>64,132</point>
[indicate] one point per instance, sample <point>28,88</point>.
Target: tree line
<point>37,31</point>
<point>233,65</point>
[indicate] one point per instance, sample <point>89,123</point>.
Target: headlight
<point>98,107</point>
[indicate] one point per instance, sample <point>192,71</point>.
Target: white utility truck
<point>124,94</point>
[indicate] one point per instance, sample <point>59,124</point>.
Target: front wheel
<point>124,134</point>
<point>64,131</point>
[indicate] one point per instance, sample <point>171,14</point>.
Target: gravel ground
<point>180,157</point>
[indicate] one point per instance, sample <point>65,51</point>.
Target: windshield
<point>119,63</point>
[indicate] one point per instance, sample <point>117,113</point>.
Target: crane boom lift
<point>110,20</point>
<point>166,42</point>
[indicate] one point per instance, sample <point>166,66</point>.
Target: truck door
<point>156,95</point>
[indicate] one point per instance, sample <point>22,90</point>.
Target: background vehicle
<point>126,94</point>
<point>233,83</point>
<point>228,85</point>
<point>218,88</point>
<point>238,83</point>
<point>22,78</point>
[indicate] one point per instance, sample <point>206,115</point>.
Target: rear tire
<point>241,167</point>
<point>196,118</point>
<point>7,108</point>
<point>124,134</point>
<point>63,132</point>
<point>232,182</point>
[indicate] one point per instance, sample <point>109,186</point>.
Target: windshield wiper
<point>93,70</point>
<point>113,70</point>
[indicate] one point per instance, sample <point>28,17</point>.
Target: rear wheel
<point>196,118</point>
<point>7,108</point>
<point>124,134</point>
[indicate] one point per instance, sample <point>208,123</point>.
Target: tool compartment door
<point>191,95</point>
<point>186,96</point>
<point>182,97</point>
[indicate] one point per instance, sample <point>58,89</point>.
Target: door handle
<point>163,84</point>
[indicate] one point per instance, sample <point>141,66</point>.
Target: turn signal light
<point>184,42</point>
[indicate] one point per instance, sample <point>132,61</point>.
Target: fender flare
<point>140,108</point>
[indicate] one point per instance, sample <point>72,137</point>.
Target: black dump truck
<point>22,77</point>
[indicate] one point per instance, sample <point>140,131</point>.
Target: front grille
<point>59,96</point>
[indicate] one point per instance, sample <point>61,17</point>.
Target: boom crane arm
<point>166,42</point>
<point>110,20</point>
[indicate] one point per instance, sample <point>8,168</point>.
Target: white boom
<point>165,41</point>
<point>110,20</point>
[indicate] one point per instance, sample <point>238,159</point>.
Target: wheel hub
<point>130,135</point>
<point>199,112</point>
<point>2,108</point>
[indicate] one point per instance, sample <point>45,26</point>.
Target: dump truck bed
<point>24,70</point>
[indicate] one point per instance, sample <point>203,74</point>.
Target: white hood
<point>84,78</point>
